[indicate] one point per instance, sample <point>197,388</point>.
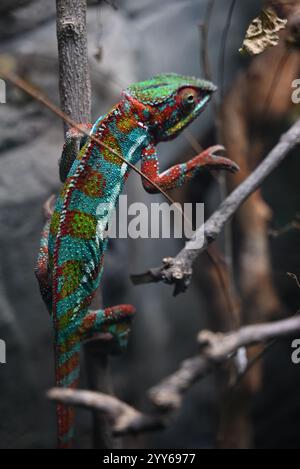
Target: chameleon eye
<point>188,98</point>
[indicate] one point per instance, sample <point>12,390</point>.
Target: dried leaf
<point>7,64</point>
<point>263,32</point>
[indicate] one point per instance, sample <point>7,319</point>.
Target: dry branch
<point>168,395</point>
<point>124,418</point>
<point>216,348</point>
<point>74,74</point>
<point>179,270</point>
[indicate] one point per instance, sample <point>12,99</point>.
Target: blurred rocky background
<point>129,40</point>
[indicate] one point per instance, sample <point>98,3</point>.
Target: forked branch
<point>179,270</point>
<point>167,396</point>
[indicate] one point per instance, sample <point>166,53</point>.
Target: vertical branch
<point>234,425</point>
<point>204,30</point>
<point>204,27</point>
<point>235,320</point>
<point>75,96</point>
<point>74,74</point>
<point>224,270</point>
<point>97,368</point>
<point>224,50</point>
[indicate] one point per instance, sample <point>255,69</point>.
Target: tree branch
<point>124,418</point>
<point>168,395</point>
<point>74,74</point>
<point>178,271</point>
<point>215,350</point>
<point>218,347</point>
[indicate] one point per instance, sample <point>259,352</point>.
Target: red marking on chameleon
<point>79,225</point>
<point>119,312</point>
<point>66,415</point>
<point>88,321</point>
<point>92,183</point>
<point>67,368</point>
<point>71,273</point>
<point>109,139</point>
<point>150,151</point>
<point>126,124</point>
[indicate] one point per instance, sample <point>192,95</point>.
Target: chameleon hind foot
<point>115,321</point>
<point>75,140</point>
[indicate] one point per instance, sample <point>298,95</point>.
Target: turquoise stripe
<point>67,436</point>
<point>69,379</point>
<point>64,357</point>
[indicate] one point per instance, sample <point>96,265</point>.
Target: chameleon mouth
<point>177,128</point>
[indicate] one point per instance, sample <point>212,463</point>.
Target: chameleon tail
<point>116,321</point>
<point>67,376</point>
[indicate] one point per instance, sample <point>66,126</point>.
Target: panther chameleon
<point>70,261</point>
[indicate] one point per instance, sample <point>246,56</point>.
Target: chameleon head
<point>167,104</point>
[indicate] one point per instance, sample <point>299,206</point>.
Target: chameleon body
<point>70,262</point>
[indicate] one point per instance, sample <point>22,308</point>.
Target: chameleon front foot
<point>209,159</point>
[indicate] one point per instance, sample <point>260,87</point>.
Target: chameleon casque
<point>70,262</point>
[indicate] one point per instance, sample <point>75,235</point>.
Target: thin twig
<point>204,31</point>
<point>111,4</point>
<point>275,81</point>
<point>294,277</point>
<point>224,40</point>
<point>293,225</point>
<point>254,361</point>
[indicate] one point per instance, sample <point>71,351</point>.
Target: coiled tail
<point>67,360</point>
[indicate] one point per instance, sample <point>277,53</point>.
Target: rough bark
<point>74,74</point>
